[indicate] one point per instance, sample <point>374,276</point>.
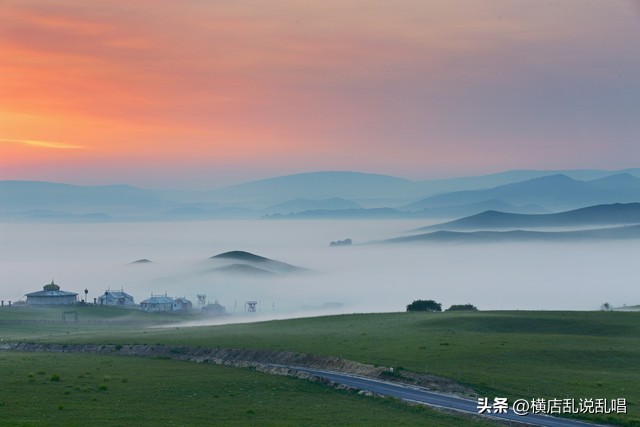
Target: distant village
<point>52,295</point>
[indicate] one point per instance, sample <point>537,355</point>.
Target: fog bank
<point>356,278</point>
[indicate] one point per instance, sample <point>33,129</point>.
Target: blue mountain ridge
<point>609,214</point>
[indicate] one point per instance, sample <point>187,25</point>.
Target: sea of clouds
<point>357,278</point>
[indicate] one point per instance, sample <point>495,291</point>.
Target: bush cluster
<point>462,307</point>
<point>424,305</point>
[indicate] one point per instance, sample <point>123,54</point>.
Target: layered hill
<point>323,195</point>
<point>241,263</point>
<point>599,215</point>
<point>555,192</point>
<point>375,190</point>
<point>318,186</point>
<point>303,205</point>
<point>37,195</point>
<point>614,233</point>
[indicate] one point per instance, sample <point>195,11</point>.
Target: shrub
<point>424,305</point>
<point>462,307</point>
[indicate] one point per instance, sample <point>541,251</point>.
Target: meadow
<point>86,389</point>
<point>508,354</point>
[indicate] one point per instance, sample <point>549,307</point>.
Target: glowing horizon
<point>175,94</point>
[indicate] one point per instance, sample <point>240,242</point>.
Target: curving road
<point>421,395</point>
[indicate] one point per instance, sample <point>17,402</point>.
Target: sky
<point>202,94</point>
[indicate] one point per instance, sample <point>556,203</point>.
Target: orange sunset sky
<point>200,94</point>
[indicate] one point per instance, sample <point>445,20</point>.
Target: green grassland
<point>34,323</point>
<point>87,389</point>
<point>511,354</point>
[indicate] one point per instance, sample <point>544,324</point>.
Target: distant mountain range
<point>304,205</point>
<point>554,192</point>
<point>318,186</point>
<point>486,227</point>
<point>375,190</point>
<point>615,233</point>
<point>46,201</point>
<point>391,213</point>
<point>360,213</point>
<point>324,195</point>
<point>38,195</point>
<point>474,207</point>
<point>599,215</point>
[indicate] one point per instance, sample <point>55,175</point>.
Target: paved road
<point>417,394</point>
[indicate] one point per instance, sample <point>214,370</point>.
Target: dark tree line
<point>462,307</point>
<point>431,305</point>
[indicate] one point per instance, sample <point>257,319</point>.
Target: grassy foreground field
<point>506,354</point>
<point>73,389</point>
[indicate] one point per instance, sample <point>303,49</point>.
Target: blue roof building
<point>157,303</point>
<point>165,303</point>
<point>116,298</point>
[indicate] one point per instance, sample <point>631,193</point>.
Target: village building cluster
<point>52,295</point>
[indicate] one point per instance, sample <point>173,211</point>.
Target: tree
<point>424,305</point>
